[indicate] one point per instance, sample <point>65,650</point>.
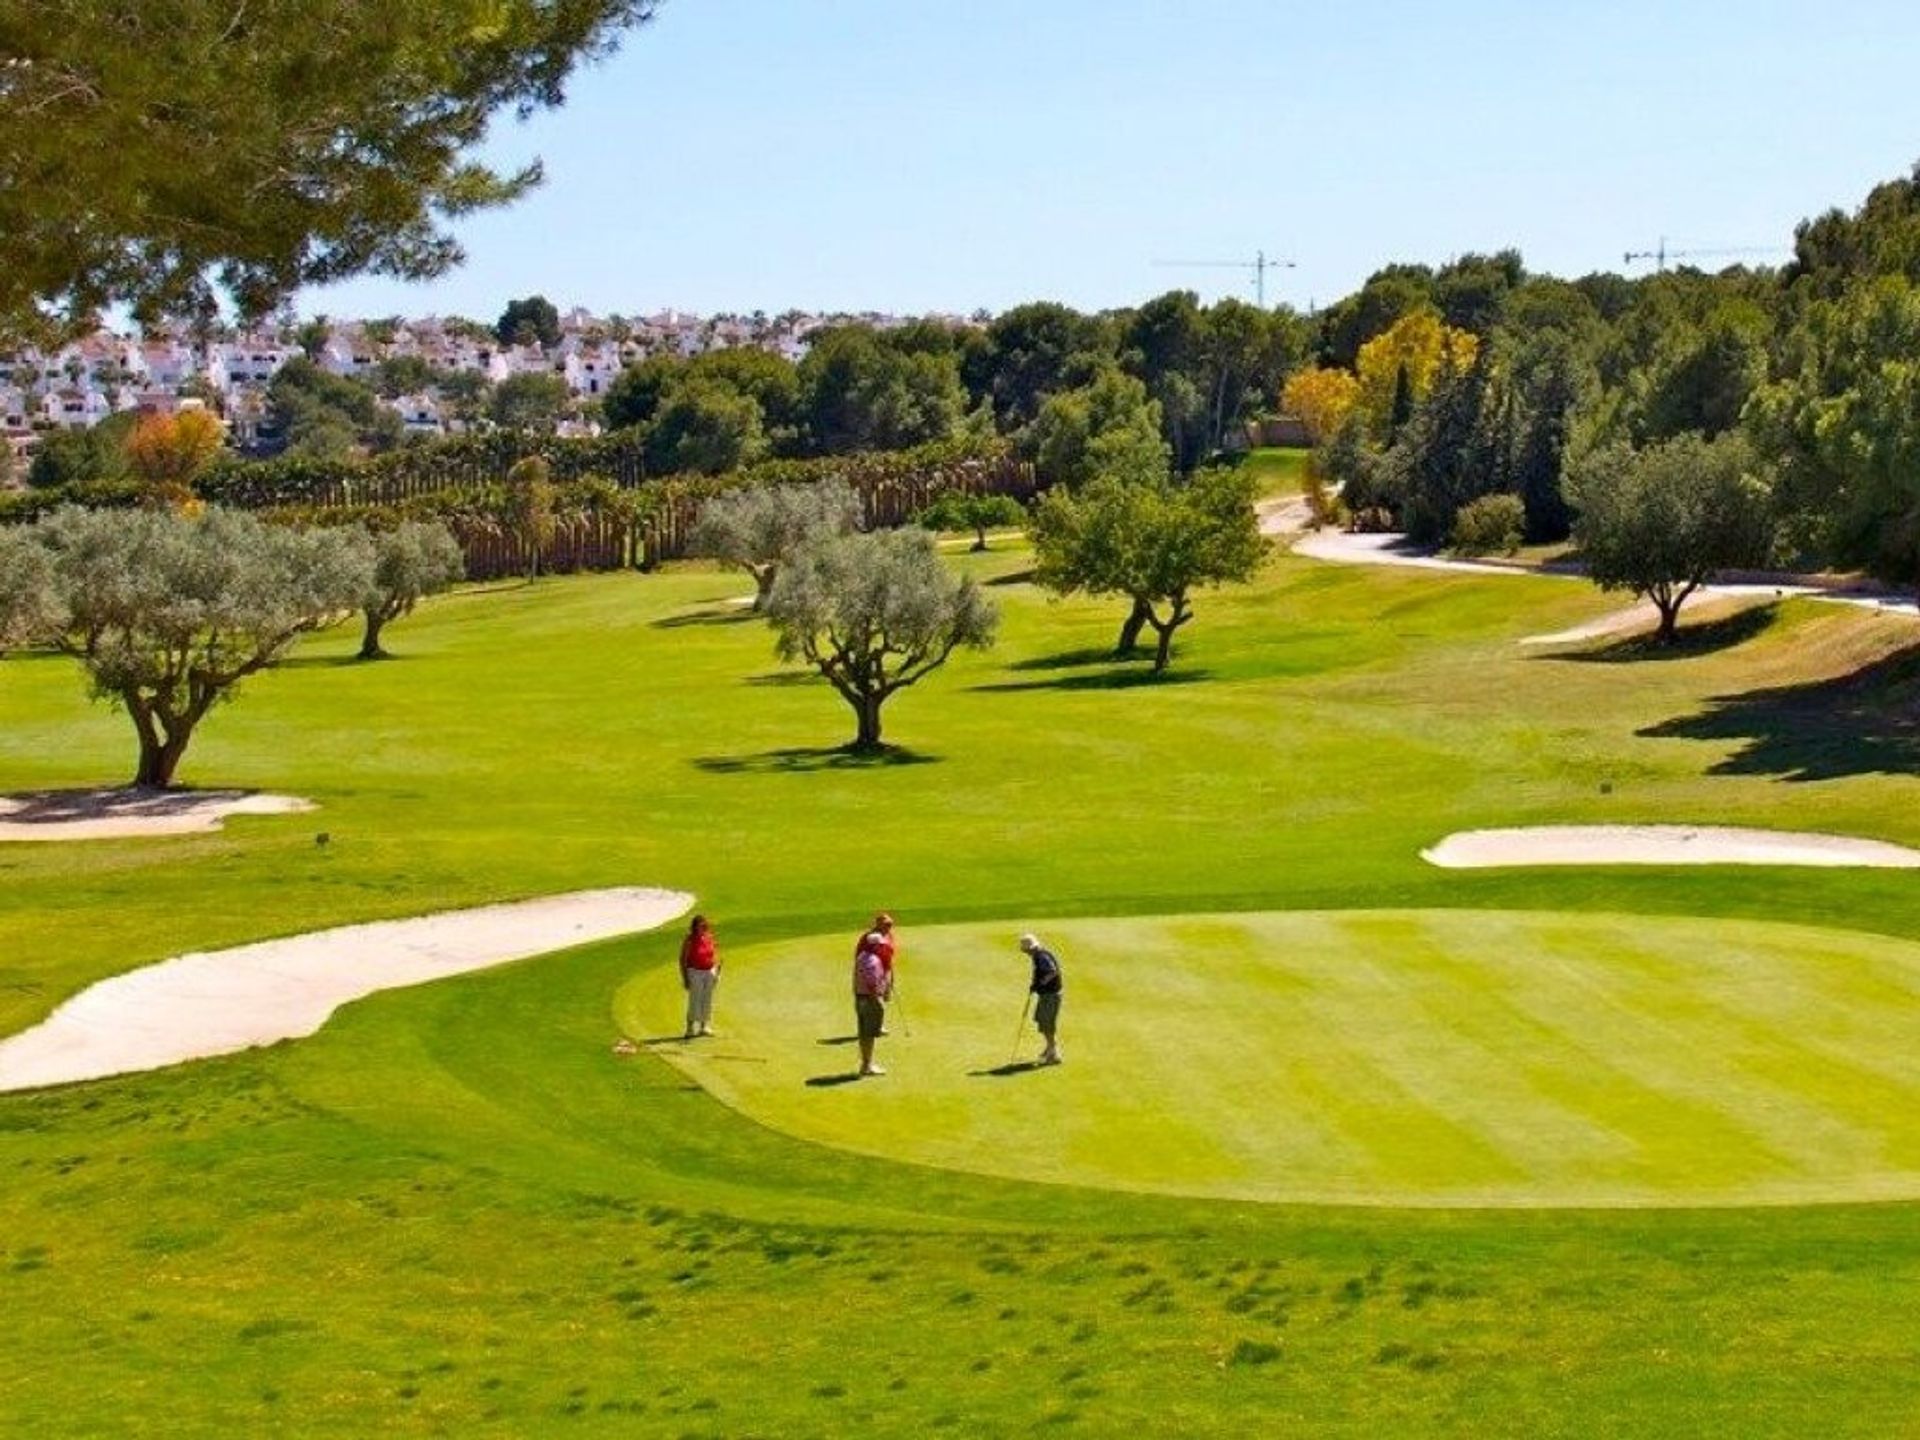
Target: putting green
<point>1430,1058</point>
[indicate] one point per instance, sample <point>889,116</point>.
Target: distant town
<point>447,364</point>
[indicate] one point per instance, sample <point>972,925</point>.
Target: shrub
<point>1491,525</point>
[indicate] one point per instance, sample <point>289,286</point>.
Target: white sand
<point>1345,547</point>
<point>1660,845</point>
<point>1289,515</point>
<point>131,813</point>
<point>228,1000</point>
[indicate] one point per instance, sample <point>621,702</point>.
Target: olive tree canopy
<point>873,613</point>
<point>1661,521</point>
<point>1154,543</point>
<point>759,528</point>
<point>410,562</point>
<point>154,154</point>
<point>168,613</point>
<point>27,608</point>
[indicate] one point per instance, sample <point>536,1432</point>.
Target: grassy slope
<point>1372,1057</point>
<point>1280,470</point>
<point>453,1210</point>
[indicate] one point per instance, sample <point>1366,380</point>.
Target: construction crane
<point>1661,254</point>
<point>1257,267</point>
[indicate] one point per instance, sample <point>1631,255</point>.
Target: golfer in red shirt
<point>699,974</point>
<point>872,988</point>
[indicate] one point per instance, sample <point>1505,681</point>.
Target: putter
<point>1020,1029</point>
<point>906,1029</point>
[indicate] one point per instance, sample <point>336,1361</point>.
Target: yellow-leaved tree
<point>167,453</point>
<point>1321,398</point>
<point>1415,345</point>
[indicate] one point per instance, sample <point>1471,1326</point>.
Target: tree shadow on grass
<point>1693,641</point>
<point>1070,660</point>
<point>809,761</point>
<point>1018,577</point>
<point>331,662</point>
<point>727,615</point>
<point>786,677</point>
<point>493,587</point>
<point>1866,723</point>
<point>1121,677</point>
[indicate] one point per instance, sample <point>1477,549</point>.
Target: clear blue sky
<point>908,155</point>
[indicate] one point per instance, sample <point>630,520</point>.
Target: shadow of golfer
<point>1001,1072</point>
<point>822,1082</point>
<point>838,1040</point>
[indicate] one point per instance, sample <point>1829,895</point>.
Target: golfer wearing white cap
<point>1046,987</point>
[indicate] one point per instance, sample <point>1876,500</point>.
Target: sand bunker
<point>131,813</point>
<point>1347,547</point>
<point>1660,845</point>
<point>217,1003</point>
<point>1284,517</point>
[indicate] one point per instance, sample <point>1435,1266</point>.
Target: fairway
<point>1407,1058</point>
<point>525,1234</point>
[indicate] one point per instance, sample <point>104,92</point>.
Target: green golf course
<point>1343,1141</point>
<point>1364,1057</point>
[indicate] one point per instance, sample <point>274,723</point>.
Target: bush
<point>1491,525</point>
<point>1324,505</point>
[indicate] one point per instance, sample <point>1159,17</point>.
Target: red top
<point>697,952</point>
<point>880,944</point>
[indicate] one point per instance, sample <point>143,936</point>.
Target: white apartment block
<point>71,408</point>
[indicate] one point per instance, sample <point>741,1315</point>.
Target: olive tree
<point>528,509</point>
<point>873,613</point>
<point>27,608</point>
<point>1155,544</point>
<point>958,510</point>
<point>759,529</point>
<point>1662,521</point>
<point>168,613</point>
<point>418,559</point>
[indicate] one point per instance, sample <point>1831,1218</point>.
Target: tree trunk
<point>1165,651</point>
<point>1130,632</point>
<point>370,648</point>
<point>159,759</point>
<point>867,708</point>
<point>1668,599</point>
<point>1177,617</point>
<point>763,579</point>
<point>980,538</point>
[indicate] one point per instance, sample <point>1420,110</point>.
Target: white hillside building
<point>71,408</point>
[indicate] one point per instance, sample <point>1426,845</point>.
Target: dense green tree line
<point>1604,392</point>
<point>1074,392</point>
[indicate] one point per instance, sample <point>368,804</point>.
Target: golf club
<point>906,1027</point>
<point>1020,1029</point>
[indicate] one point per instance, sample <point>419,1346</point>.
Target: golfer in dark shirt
<point>1046,987</point>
